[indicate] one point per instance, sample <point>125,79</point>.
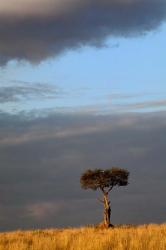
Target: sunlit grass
<point>145,237</point>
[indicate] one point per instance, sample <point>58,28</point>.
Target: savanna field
<point>144,237</point>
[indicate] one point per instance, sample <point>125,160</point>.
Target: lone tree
<point>104,180</point>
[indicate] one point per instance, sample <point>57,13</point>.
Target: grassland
<point>145,237</point>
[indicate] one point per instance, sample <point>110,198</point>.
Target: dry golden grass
<point>145,237</point>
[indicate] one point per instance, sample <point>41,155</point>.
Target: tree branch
<point>102,189</point>
<point>100,200</point>
<point>110,188</point>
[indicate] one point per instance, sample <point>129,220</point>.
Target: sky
<point>82,86</point>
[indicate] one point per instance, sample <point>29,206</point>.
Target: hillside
<point>144,237</point>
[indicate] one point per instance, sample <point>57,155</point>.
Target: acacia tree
<point>104,180</point>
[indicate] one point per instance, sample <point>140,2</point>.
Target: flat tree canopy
<point>103,179</point>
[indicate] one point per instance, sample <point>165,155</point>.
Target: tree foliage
<point>104,179</point>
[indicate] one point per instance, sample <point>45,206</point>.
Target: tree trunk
<point>107,211</point>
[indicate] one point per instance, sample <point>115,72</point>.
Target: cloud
<point>144,105</point>
<point>40,29</point>
<point>39,181</point>
<point>43,210</point>
<point>26,91</point>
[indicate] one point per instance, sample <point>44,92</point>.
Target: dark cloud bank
<point>36,30</point>
<point>41,161</point>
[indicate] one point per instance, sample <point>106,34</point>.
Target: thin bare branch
<point>102,189</point>
<point>100,200</point>
<point>110,189</point>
